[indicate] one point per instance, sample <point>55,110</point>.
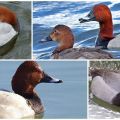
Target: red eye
<point>55,31</point>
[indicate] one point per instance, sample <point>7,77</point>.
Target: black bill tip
<point>83,20</point>
<point>59,81</point>
<point>47,39</point>
<point>49,79</point>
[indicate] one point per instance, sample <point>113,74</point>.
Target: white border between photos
<point>88,65</point>
<point>62,0</point>
<point>32,30</point>
<point>77,0</point>
<point>77,60</point>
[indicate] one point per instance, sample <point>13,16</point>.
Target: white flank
<point>102,90</point>
<point>115,43</point>
<point>14,106</point>
<point>7,32</point>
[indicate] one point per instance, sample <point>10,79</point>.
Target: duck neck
<point>17,26</point>
<point>28,91</point>
<point>63,46</point>
<point>106,30</point>
<point>35,102</point>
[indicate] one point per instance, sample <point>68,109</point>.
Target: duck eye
<point>55,31</point>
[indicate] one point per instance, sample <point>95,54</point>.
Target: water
<point>96,111</point>
<point>65,100</point>
<point>47,15</point>
<point>22,48</point>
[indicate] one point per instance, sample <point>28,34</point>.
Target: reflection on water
<point>37,116</point>
<point>22,48</point>
<point>64,100</point>
<point>98,112</point>
<point>47,15</point>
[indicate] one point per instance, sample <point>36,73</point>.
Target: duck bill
<point>88,18</point>
<point>49,79</point>
<point>47,39</point>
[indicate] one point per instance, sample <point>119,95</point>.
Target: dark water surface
<point>22,48</point>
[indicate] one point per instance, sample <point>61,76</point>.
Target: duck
<point>65,50</point>
<point>102,14</point>
<point>114,42</point>
<point>24,102</point>
<point>105,85</point>
<point>9,29</point>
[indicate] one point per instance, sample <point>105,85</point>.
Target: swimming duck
<point>24,102</point>
<point>102,14</point>
<point>64,36</point>
<point>106,85</point>
<point>9,29</point>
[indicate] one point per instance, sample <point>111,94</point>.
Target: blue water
<point>65,100</point>
<point>47,15</point>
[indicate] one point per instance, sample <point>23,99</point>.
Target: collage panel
<point>85,81</point>
<point>104,89</point>
<point>25,94</point>
<point>15,30</point>
<point>76,30</point>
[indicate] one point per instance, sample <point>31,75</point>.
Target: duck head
<point>102,14</point>
<point>8,16</point>
<point>96,72</point>
<point>63,35</point>
<point>28,75</point>
<point>9,29</point>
